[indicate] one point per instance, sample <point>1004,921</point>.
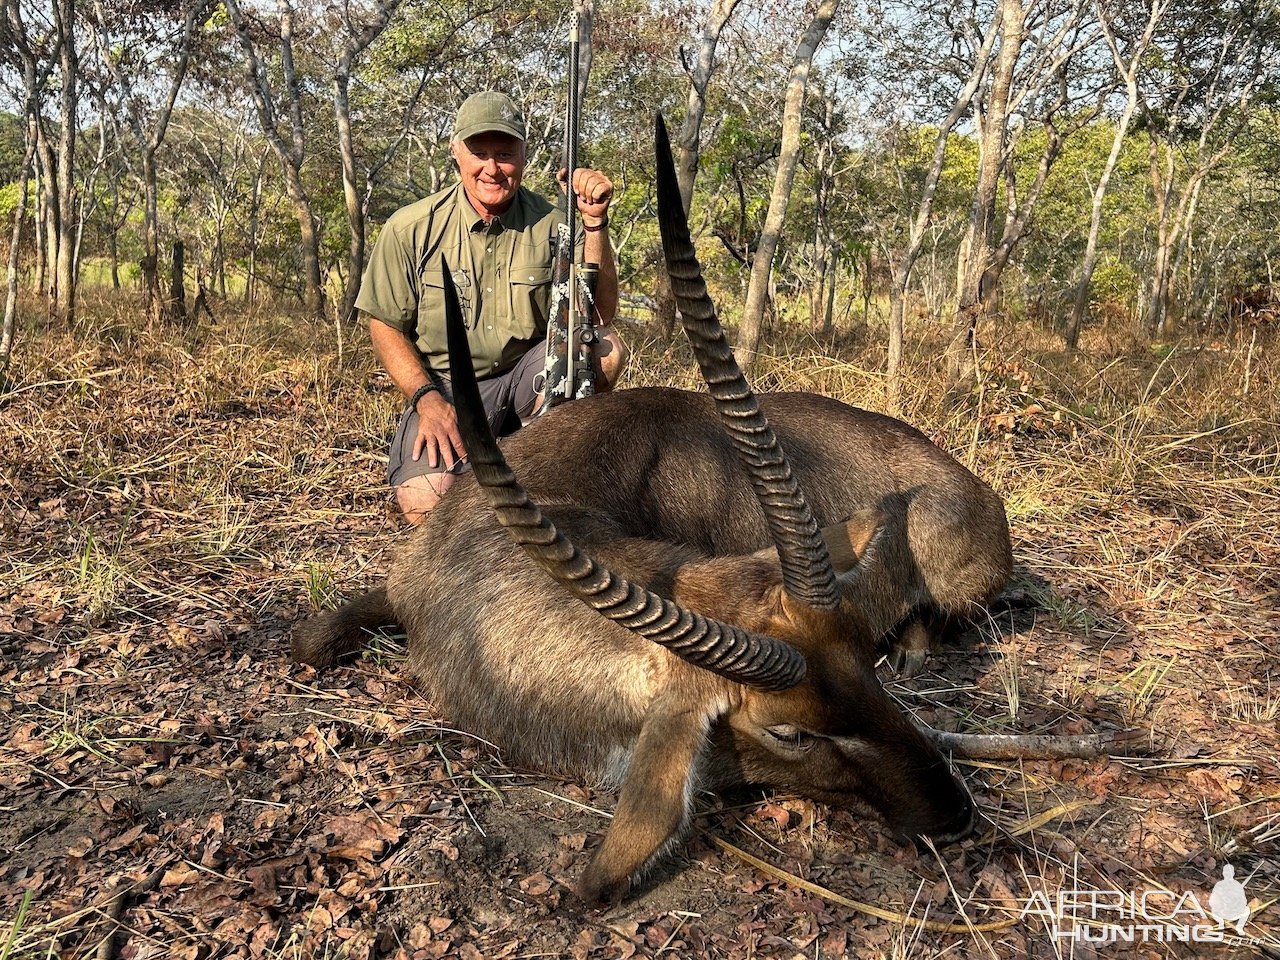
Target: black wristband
<point>599,226</point>
<point>422,391</point>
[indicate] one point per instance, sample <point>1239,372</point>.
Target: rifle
<point>568,373</point>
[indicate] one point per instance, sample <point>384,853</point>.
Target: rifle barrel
<point>571,199</point>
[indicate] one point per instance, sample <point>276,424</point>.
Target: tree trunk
<point>829,310</point>
<point>149,130</point>
<point>688,144</point>
<point>1183,247</point>
<point>350,194</point>
<point>292,153</point>
<point>48,212</point>
<point>65,293</point>
<point>867,286</point>
<point>818,281</point>
<point>1215,102</point>
<point>352,48</point>
<point>52,234</point>
<point>151,297</point>
<point>313,288</point>
<point>975,281</point>
<point>49,220</point>
<point>113,241</point>
<point>788,154</point>
<point>823,234</point>
<point>1018,213</point>
<point>689,139</point>
<point>1080,304</point>
<point>177,305</point>
<point>1162,187</point>
<point>1128,72</point>
<point>313,285</point>
<point>88,201</point>
<point>15,246</point>
<point>39,279</point>
<point>983,265</point>
<point>901,270</point>
<point>897,309</point>
<point>255,204</point>
<point>220,260</point>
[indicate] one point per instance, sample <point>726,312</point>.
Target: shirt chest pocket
<point>431,308</point>
<point>530,301</point>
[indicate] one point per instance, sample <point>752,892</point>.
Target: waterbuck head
<point>835,735</point>
<point>775,682</point>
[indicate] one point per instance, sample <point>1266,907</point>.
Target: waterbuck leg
<point>1036,747</point>
<point>326,638</point>
<point>653,807</point>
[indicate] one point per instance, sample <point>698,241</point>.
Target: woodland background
<point>895,165</point>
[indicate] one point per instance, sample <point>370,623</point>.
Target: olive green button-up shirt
<point>502,271</point>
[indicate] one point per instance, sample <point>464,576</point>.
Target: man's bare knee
<point>611,355</point>
<point>418,496</point>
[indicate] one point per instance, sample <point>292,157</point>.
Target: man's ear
<point>852,543</point>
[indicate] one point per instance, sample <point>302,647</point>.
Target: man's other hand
<point>438,432</point>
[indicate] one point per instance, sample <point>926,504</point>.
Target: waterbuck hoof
<point>907,662</point>
<point>600,889</point>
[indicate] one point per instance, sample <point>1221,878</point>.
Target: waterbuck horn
<point>739,655</point>
<point>807,574</point>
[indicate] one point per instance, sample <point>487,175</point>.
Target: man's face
<point>491,166</point>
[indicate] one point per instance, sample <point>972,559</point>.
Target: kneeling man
<point>497,238</point>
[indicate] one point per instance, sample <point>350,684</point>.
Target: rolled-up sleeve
<point>389,288</point>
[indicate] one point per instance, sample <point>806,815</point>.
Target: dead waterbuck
<point>698,627</point>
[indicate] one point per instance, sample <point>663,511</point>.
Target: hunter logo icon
<point>1228,902</point>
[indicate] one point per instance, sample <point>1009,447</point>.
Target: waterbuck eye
<point>792,737</point>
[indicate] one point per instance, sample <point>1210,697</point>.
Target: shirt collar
<point>512,219</point>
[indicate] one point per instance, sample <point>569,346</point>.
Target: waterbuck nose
<point>961,824</point>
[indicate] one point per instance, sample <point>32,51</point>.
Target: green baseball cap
<point>488,111</point>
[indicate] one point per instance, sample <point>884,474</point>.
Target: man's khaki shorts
<point>506,396</point>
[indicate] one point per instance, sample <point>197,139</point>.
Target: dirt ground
<point>171,785</point>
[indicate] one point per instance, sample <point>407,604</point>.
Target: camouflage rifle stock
<point>568,372</point>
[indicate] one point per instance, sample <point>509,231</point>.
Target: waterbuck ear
<point>653,807</point>
<point>852,543</point>
<point>743,590</point>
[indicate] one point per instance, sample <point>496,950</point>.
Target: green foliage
<point>9,197</point>
<point>218,18</point>
<point>1058,233</point>
<point>12,146</point>
<point>1115,282</point>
